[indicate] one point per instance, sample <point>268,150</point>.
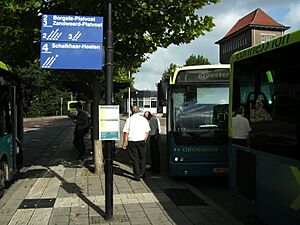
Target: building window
<point>153,102</point>
<point>147,103</point>
<point>140,102</point>
<point>266,37</point>
<point>134,101</point>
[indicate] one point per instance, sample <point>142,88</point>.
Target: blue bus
<point>10,128</point>
<point>265,81</point>
<point>197,120</point>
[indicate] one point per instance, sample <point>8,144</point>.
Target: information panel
<point>72,28</point>
<point>109,122</point>
<point>64,55</point>
<point>71,42</point>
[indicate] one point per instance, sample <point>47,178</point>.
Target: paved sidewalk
<point>65,192</point>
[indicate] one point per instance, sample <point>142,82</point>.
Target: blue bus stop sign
<point>71,42</point>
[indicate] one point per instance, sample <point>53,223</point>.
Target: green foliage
<point>48,103</point>
<point>169,72</point>
<point>19,28</point>
<point>42,91</point>
<point>139,26</point>
<point>196,60</point>
<point>123,75</point>
<point>191,60</point>
<point>143,26</point>
<point>32,76</point>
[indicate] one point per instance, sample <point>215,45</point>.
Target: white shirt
<point>240,127</point>
<point>136,126</point>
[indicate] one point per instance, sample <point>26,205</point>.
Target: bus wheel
<point>3,176</point>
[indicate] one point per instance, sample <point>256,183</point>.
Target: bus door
<point>8,134</point>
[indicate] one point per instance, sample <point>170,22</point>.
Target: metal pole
<point>61,104</point>
<point>129,100</point>
<point>13,100</point>
<point>108,101</point>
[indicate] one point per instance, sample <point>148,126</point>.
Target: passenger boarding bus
<point>10,128</point>
<point>265,81</point>
<point>197,123</point>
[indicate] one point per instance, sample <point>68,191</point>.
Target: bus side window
<point>8,118</point>
<point>5,122</point>
<point>297,105</point>
<point>258,108</point>
<point>2,121</point>
<point>249,105</point>
<point>281,102</point>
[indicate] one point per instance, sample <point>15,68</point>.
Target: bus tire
<point>3,176</point>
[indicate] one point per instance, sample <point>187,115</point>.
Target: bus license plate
<point>220,170</point>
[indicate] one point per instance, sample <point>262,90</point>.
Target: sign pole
<point>108,100</point>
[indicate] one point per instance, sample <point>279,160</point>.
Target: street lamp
<point>61,103</point>
<point>129,97</point>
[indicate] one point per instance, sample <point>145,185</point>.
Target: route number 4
<point>45,48</point>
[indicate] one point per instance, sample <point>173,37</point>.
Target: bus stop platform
<point>66,192</point>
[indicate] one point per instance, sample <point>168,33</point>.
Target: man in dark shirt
<point>154,139</point>
<point>81,129</point>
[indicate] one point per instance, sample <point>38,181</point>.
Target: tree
<point>169,72</point>
<point>196,60</point>
<point>140,27</point>
<point>192,60</point>
<point>48,103</point>
<point>42,90</point>
<point>20,31</point>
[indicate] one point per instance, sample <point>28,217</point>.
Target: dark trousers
<point>154,151</point>
<point>78,142</point>
<point>137,153</point>
<point>241,142</point>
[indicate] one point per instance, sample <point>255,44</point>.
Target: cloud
<point>226,13</point>
<point>293,16</point>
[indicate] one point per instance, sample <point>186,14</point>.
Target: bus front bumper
<point>198,169</point>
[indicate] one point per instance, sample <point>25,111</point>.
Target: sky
<point>226,13</point>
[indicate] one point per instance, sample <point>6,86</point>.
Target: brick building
<point>254,28</point>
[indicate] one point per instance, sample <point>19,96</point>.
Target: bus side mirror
<point>162,90</point>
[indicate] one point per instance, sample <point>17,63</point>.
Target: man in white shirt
<point>240,128</point>
<point>135,135</point>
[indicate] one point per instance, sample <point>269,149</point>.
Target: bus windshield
<point>199,109</point>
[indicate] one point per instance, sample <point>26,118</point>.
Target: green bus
<point>265,81</point>
<point>197,121</point>
<point>71,107</point>
<point>11,128</point>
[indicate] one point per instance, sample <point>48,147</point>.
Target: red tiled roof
<point>257,17</point>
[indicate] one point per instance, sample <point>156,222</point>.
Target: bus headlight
<point>176,159</point>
